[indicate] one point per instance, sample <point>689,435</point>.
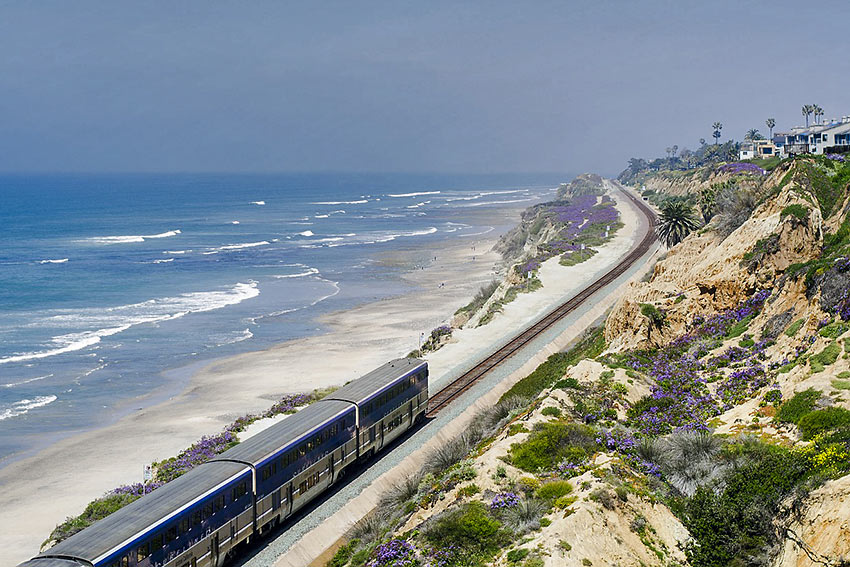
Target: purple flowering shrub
<point>394,553</point>
<point>740,167</point>
<point>579,221</point>
<point>835,157</point>
<point>681,398</point>
<point>504,500</point>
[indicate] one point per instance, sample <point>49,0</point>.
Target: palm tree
<point>676,222</point>
<point>675,149</point>
<point>753,134</point>
<point>770,123</point>
<point>702,141</point>
<point>717,127</point>
<point>669,150</point>
<point>818,112</point>
<point>807,111</point>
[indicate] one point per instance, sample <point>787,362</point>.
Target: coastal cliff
<point>706,423</point>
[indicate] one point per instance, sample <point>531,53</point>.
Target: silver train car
<point>200,518</point>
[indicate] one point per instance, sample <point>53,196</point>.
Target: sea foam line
<point>23,406</point>
<point>27,381</point>
<point>358,202</point>
<point>130,238</point>
<point>397,195</point>
<point>113,320</point>
<point>60,261</point>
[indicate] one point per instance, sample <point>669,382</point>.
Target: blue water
<point>108,280</point>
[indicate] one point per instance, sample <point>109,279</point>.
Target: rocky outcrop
<point>583,184</point>
<point>707,273</point>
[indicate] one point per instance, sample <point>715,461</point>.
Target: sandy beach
<point>39,492</point>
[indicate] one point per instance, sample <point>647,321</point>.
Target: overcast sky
<point>403,86</point>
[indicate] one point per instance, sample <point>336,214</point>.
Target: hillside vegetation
<point>707,423</point>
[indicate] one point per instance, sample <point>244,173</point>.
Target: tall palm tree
<point>676,222</point>
<point>753,134</point>
<point>702,141</point>
<point>807,111</point>
<point>675,150</point>
<point>669,150</point>
<point>716,127</point>
<point>818,112</point>
<point>770,123</point>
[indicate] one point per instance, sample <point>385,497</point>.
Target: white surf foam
<point>358,202</point>
<point>27,381</point>
<point>321,216</point>
<point>23,406</point>
<point>238,246</point>
<point>105,322</point>
<point>163,261</point>
<point>413,194</point>
<point>234,222</point>
<point>306,233</point>
<point>308,272</point>
<point>130,238</point>
<point>261,203</point>
<point>60,261</point>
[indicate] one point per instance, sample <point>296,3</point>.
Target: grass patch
<point>795,326</point>
<point>591,345</point>
<point>552,491</point>
<point>479,299</point>
<point>551,443</point>
<point>471,529</point>
<point>834,330</point>
<point>802,403</point>
<point>739,328</point>
<point>797,211</point>
<point>823,420</point>
<point>826,357</point>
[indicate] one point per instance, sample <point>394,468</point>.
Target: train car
<point>389,400</point>
<point>199,518</point>
<point>193,520</point>
<point>295,460</point>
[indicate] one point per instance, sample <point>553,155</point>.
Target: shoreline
<point>200,399</point>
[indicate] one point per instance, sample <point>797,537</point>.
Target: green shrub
<point>795,326</point>
<point>517,555</point>
<point>823,420</point>
<point>796,210</point>
<point>361,556</point>
<point>553,490</point>
<point>551,411</point>
<point>732,523</point>
<point>746,342</point>
<point>565,502</point>
<point>343,554</point>
<point>739,328</point>
<point>469,527</point>
<point>553,442</point>
<point>591,345</point>
<point>565,545</point>
<point>834,330</point>
<point>567,383</point>
<point>826,357</point>
<point>841,384</point>
<point>468,490</point>
<point>96,510</point>
<point>544,522</point>
<point>802,403</point>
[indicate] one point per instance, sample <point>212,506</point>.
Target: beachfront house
<point>831,137</point>
<point>760,149</point>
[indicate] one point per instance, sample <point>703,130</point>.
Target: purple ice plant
<point>394,553</point>
<point>504,500</point>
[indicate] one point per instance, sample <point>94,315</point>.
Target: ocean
<point>108,283</point>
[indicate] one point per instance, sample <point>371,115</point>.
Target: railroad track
<point>445,396</point>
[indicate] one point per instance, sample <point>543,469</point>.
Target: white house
<point>833,136</point>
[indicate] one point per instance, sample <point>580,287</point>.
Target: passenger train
<point>199,518</point>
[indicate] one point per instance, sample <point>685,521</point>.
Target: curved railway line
<point>469,378</point>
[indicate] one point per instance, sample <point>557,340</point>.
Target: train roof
<point>51,562</point>
<point>120,527</point>
<point>257,448</point>
<point>360,390</point>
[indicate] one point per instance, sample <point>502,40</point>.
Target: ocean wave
<point>336,290</point>
<point>417,205</point>
<point>23,406</point>
<point>176,251</point>
<point>60,261</point>
<point>309,272</point>
<point>234,222</point>
<point>321,216</point>
<point>105,322</point>
<point>358,202</point>
<point>130,238</point>
<point>484,203</point>
<point>306,233</point>
<point>485,231</point>
<point>378,238</point>
<point>163,261</point>
<point>258,203</point>
<point>27,381</point>
<point>229,247</point>
<point>413,194</point>
<point>232,338</point>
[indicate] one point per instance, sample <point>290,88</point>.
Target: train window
<point>171,534</point>
<point>184,525</point>
<point>196,518</point>
<point>412,380</point>
<point>125,561</point>
<point>143,551</point>
<point>156,543</point>
<point>302,450</point>
<point>207,511</point>
<point>267,472</point>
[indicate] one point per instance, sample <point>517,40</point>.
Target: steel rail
<point>460,385</point>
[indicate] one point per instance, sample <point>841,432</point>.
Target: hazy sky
<point>403,86</point>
